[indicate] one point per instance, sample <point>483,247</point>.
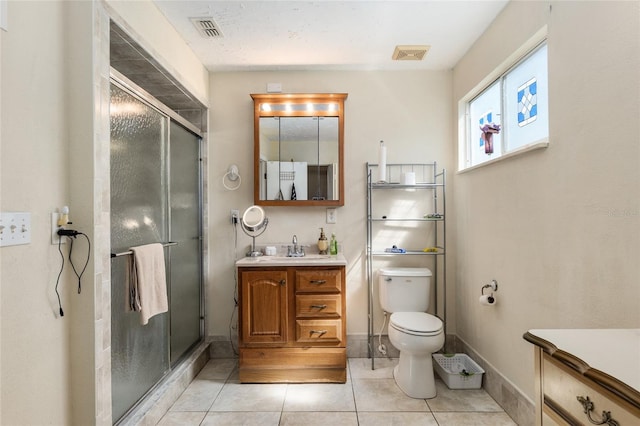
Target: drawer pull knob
<point>318,281</point>
<point>320,332</point>
<point>319,306</point>
<point>606,419</point>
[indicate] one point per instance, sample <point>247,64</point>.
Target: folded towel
<point>395,249</point>
<point>146,281</point>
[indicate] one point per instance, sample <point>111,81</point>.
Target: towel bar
<point>126,253</point>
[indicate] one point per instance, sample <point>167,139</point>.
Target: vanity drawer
<point>318,281</point>
<point>318,305</point>
<point>561,387</point>
<point>318,331</point>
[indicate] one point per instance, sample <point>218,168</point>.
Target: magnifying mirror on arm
<point>254,223</point>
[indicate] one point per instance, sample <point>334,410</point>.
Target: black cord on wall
<point>71,235</point>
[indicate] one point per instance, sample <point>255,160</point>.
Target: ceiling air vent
<point>207,27</point>
<point>410,53</point>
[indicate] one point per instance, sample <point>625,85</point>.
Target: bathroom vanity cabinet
<point>406,226</point>
<point>587,376</point>
<point>292,325</point>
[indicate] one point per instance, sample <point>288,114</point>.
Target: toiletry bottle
<point>333,246</point>
<point>323,243</point>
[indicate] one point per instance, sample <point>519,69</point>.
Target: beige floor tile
<point>250,397</point>
<point>218,369</point>
<point>319,397</point>
<point>360,368</point>
<point>198,396</point>
<point>367,418</point>
<point>461,400</point>
<point>474,419</point>
<point>217,398</point>
<point>191,418</point>
<point>319,419</point>
<point>384,395</point>
<point>242,419</point>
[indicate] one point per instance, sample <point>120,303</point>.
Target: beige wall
<point>54,152</point>
<point>558,228</point>
<point>410,111</point>
<point>34,173</point>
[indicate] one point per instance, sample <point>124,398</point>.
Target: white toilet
<point>405,292</point>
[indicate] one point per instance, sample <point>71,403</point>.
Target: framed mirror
<point>299,149</point>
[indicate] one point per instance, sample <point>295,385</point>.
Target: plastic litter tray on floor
<point>458,371</point>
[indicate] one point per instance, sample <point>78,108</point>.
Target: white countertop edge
<point>312,260</point>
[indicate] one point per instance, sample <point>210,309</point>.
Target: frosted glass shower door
<point>184,199</point>
<point>139,354</point>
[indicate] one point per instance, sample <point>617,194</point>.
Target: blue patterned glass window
<point>526,101</point>
<point>511,113</point>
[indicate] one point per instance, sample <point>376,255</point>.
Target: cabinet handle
<point>587,406</point>
<point>320,332</point>
<point>283,282</point>
<point>318,281</point>
<point>319,306</point>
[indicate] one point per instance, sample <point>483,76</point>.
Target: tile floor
<point>370,397</point>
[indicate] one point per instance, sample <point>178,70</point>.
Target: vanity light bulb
<point>309,107</point>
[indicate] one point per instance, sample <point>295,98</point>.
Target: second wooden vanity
<point>587,377</point>
<point>292,324</point>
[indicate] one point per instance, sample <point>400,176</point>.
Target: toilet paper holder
<point>493,285</point>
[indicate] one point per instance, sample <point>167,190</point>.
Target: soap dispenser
<point>333,245</point>
<point>323,243</point>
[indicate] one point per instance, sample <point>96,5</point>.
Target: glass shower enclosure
<point>155,198</point>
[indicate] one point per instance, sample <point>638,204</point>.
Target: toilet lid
<point>416,323</point>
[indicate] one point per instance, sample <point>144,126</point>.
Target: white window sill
<point>516,152</point>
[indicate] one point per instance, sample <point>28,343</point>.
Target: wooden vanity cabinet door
<point>264,306</point>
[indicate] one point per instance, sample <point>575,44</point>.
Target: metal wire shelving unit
<point>433,182</point>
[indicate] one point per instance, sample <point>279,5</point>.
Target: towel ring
<point>232,175</point>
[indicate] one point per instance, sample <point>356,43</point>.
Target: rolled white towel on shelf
<point>382,163</point>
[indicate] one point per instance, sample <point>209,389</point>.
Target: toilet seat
<point>416,323</point>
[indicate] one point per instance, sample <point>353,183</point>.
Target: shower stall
<point>156,195</point>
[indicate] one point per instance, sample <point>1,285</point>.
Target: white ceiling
<point>331,35</point>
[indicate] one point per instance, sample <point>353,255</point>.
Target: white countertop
<point>308,260</point>
<point>615,352</point>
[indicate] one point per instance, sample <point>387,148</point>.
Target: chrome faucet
<point>296,250</point>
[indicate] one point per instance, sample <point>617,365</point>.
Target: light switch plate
<point>15,228</point>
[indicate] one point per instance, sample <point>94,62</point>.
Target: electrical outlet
<point>55,238</point>
<point>332,215</point>
<point>235,216</point>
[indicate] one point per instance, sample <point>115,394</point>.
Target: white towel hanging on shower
<point>146,281</point>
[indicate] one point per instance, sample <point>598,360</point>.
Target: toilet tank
<point>404,289</point>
